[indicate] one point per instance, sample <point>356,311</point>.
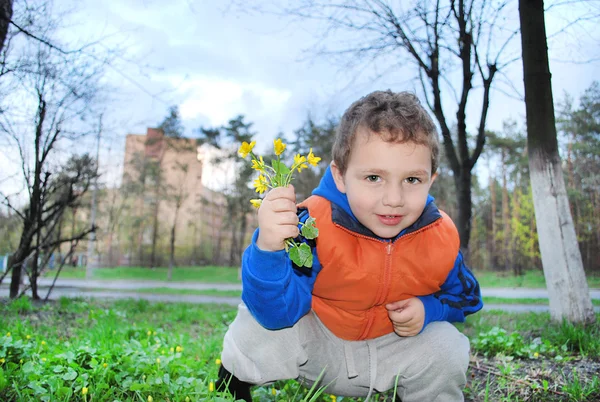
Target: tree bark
<point>561,259</point>
<point>6,11</point>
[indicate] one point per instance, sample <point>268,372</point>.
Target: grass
<point>171,291</point>
<point>130,350</point>
<point>214,274</point>
<point>523,300</point>
<point>209,274</point>
<point>531,279</point>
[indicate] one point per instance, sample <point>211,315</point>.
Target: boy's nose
<point>393,197</point>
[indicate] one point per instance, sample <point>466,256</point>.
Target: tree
<point>177,198</point>
<point>52,98</point>
<point>318,137</point>
<point>580,129</point>
<point>228,138</point>
<point>6,11</point>
<point>563,269</point>
<point>460,43</point>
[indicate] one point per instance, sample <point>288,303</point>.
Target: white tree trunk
<point>563,268</point>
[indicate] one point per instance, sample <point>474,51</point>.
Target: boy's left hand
<point>407,316</point>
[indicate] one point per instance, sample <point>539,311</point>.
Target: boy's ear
<point>433,177</point>
<point>338,177</point>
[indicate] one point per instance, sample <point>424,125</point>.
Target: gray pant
<point>429,367</point>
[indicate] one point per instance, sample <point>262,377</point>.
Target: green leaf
<point>309,230</point>
<point>136,386</point>
<point>280,167</point>
<point>306,255</point>
<point>59,369</point>
<point>295,256</point>
<point>70,375</point>
<point>302,255</point>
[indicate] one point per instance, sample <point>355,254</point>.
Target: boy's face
<point>386,183</point>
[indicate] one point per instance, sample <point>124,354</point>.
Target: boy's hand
<point>407,316</point>
<point>277,219</point>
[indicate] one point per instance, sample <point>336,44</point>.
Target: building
<point>162,181</point>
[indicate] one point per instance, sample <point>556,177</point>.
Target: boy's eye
<point>413,180</point>
<point>372,178</point>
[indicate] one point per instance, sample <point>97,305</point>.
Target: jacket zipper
<point>384,288</point>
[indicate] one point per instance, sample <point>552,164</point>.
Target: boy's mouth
<point>390,220</point>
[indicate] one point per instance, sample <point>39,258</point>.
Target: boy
<point>372,313</point>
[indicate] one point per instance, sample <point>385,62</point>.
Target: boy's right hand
<point>277,219</point>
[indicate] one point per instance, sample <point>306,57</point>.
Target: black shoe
<point>227,382</point>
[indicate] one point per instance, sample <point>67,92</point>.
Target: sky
<point>215,62</point>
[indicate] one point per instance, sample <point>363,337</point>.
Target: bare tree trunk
<point>563,269</point>
<point>154,233</point>
<point>494,258</point>
<point>505,218</point>
<point>6,11</point>
<point>172,243</point>
<point>171,254</point>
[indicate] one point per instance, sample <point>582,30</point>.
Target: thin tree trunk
<point>463,188</point>
<point>172,244</point>
<point>6,12</point>
<point>494,256</point>
<point>505,218</point>
<point>154,234</point>
<point>563,269</point>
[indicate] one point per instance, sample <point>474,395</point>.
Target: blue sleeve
<point>276,292</point>
<point>458,297</point>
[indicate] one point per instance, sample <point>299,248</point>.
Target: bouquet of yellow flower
<point>278,174</point>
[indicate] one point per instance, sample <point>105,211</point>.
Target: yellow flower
<point>218,361</point>
<point>536,355</point>
<point>105,365</point>
<point>157,360</point>
<point>300,162</point>
<point>149,333</point>
<point>178,349</point>
<point>312,159</point>
<point>28,337</point>
<point>43,342</point>
<point>44,359</point>
<point>273,391</point>
<point>2,360</point>
<point>333,398</point>
<point>150,399</point>
<point>258,164</point>
<point>246,148</point>
<point>84,391</point>
<point>172,350</point>
<point>8,334</point>
<point>256,202</point>
<point>278,146</point>
<point>260,184</point>
<point>211,387</point>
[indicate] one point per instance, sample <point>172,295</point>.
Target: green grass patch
<point>129,350</point>
<point>209,274</point>
<point>215,274</point>
<point>523,300</point>
<point>171,291</point>
<point>531,279</point>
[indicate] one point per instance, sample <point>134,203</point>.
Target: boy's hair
<point>396,117</point>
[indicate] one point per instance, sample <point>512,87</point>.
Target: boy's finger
<point>397,305</point>
<point>283,205</point>
<point>282,192</point>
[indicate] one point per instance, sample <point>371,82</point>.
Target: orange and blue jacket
<point>355,273</point>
